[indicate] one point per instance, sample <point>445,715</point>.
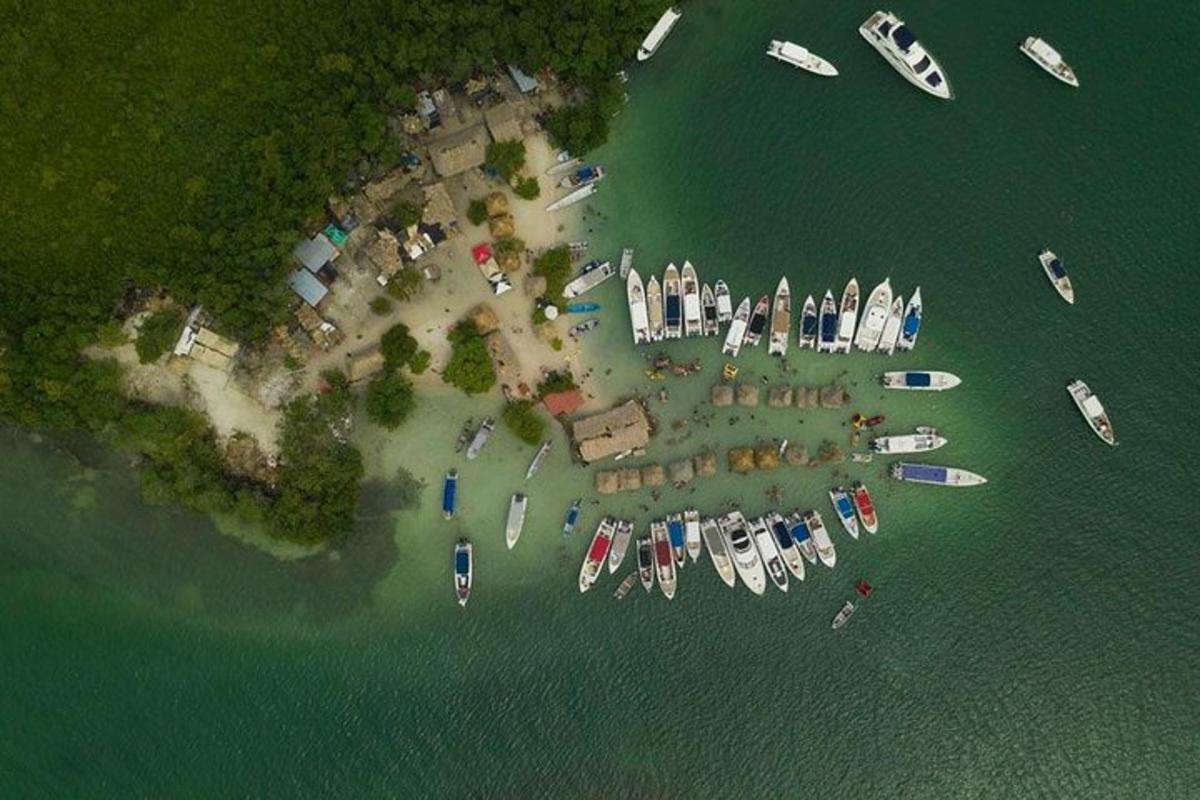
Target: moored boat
<point>579,329</point>
<point>843,615</point>
<point>693,313</point>
<point>820,537</point>
<point>718,551</point>
<point>577,196</point>
<point>874,317</point>
<point>1057,274</point>
<point>746,560</point>
<point>450,494</point>
<point>659,32</point>
<point>626,262</point>
<point>798,56</point>
<point>847,317</point>
<point>538,458</point>
<point>935,475</point>
<point>563,165</point>
<point>808,324</point>
<point>758,323</point>
<point>464,571</point>
<point>638,319</point>
<point>645,560</point>
<point>481,438</point>
<point>786,546</point>
<point>737,329</point>
<point>672,303</point>
<point>583,176</point>
<point>888,34</point>
<point>597,552</point>
<point>654,309</point>
<point>910,326</point>
<point>844,506</point>
<point>664,562</point>
<point>865,507</point>
<point>691,529</point>
<point>800,535</point>
<point>572,518</point>
<point>678,537</point>
<point>626,586</point>
<point>781,320</point>
<point>891,328</point>
<point>827,334</point>
<point>582,308</point>
<point>920,380</point>
<point>589,279</point>
<point>516,519</point>
<point>1048,59</point>
<point>708,304</point>
<point>923,441</point>
<point>1089,405</point>
<point>772,560</point>
<point>621,536</point>
<point>464,435</point>
<point>724,302</point>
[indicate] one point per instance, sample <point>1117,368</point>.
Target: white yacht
<point>891,328</point>
<point>672,303</point>
<point>786,545</point>
<point>743,551</point>
<point>827,332</point>
<point>718,551</point>
<point>616,554</point>
<point>691,532</point>
<point>797,56</point>
<point>1057,274</point>
<point>921,380</point>
<point>654,309</point>
<point>936,475</point>
<point>659,32</point>
<point>874,317</point>
<point>1049,59</point>
<point>1093,412</point>
<point>737,329</point>
<point>724,303</point>
<point>637,308</point>
<point>808,324</point>
<point>923,441</point>
<point>781,320</point>
<point>516,519</point>
<point>765,539</point>
<point>693,314</point>
<point>910,326</point>
<point>820,537</point>
<point>888,34</point>
<point>847,318</point>
<point>590,279</point>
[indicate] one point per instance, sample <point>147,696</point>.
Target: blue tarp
<point>917,379</point>
<point>449,492</point>
<point>912,323</point>
<point>673,308</point>
<point>800,532</point>
<point>675,533</point>
<point>828,327</point>
<point>923,472</point>
<point>462,562</point>
<point>844,507</point>
<point>1056,268</point>
<point>781,535</point>
<point>808,325</point>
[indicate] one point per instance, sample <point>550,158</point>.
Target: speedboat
<point>672,303</point>
<point>1049,59</point>
<point>691,532</point>
<point>797,56</point>
<point>664,563</point>
<point>717,550</point>
<point>481,438</point>
<point>659,32</point>
<point>464,571</point>
<point>741,548</point>
<point>577,196</point>
<point>597,552</point>
<point>844,507</point>
<point>450,494</point>
<point>645,560</point>
<point>938,476</point>
<point>724,303</point>
<point>708,303</point>
<point>516,519</point>
<point>678,537</point>
<point>765,540</point>
<point>737,329</point>
<point>572,519</point>
<point>920,381</point>
<point>758,323</point>
<point>923,441</point>
<point>781,320</point>
<point>637,308</point>
<point>847,317</point>
<point>865,507</point>
<point>786,545</point>
<point>583,176</point>
<point>626,262</point>
<point>538,458</point>
<point>888,34</point>
<point>843,615</point>
<point>874,317</point>
<point>654,309</point>
<point>1057,274</point>
<point>577,330</point>
<point>621,537</point>
<point>589,279</point>
<point>910,327</point>
<point>693,314</point>
<point>1093,412</point>
<point>827,338</point>
<point>799,531</point>
<point>891,328</point>
<point>808,323</point>
<point>820,537</point>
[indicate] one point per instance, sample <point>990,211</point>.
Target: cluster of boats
<point>682,306</point>
<point>581,179</point>
<point>769,547</point>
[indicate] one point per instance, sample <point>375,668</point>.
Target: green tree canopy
<point>506,157</point>
<point>470,366</point>
<point>390,400</point>
<point>521,418</point>
<point>398,346</point>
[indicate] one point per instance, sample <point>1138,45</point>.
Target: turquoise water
<point>1036,637</point>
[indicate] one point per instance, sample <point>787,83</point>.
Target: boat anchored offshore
<point>888,34</point>
<point>910,327</point>
<point>664,562</point>
<point>708,302</point>
<point>654,309</point>
<point>797,56</point>
<point>799,531</point>
<point>938,476</point>
<point>865,507</point>
<point>481,438</point>
<point>464,571</point>
<point>583,176</point>
<point>538,458</point>
<point>620,544</point>
<point>672,303</point>
<point>1049,59</point>
<point>781,320</point>
<point>572,518</point>
<point>847,317</point>
<point>788,550</point>
<point>1093,412</point>
<point>737,329</point>
<point>923,441</point>
<point>844,506</point>
<point>691,531</point>
<point>920,381</point>
<point>659,32</point>
<point>758,323</point>
<point>746,560</point>
<point>638,319</point>
<point>843,615</point>
<point>808,324</point>
<point>820,537</point>
<point>1057,274</point>
<point>450,494</point>
<point>891,328</point>
<point>717,550</point>
<point>597,552</point>
<point>589,280</point>
<point>724,303</point>
<point>577,196</point>
<point>645,561</point>
<point>626,262</point>
<point>693,315</point>
<point>678,538</point>
<point>827,336</point>
<point>874,317</point>
<point>516,519</point>
<point>764,538</point>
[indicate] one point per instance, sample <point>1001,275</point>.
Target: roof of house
<point>503,122</point>
<point>305,284</point>
<point>384,252</point>
<point>459,151</point>
<point>439,209</point>
<point>563,403</point>
<point>524,82</point>
<point>608,433</point>
<point>215,341</point>
<point>314,253</point>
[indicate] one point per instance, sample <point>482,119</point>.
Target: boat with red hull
<point>664,559</point>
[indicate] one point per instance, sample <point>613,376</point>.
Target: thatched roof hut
<point>459,151</point>
<point>654,476</point>
<point>766,456</point>
<point>682,472</point>
<point>796,455</point>
<point>629,479</point>
<point>806,397</point>
<point>625,427</point>
<point>779,397</point>
<point>833,396</point>
<point>722,395</point>
<point>747,395</point>
<point>497,204</point>
<point>705,463</point>
<point>607,482</point>
<point>741,460</point>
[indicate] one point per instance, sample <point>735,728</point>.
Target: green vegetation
<point>506,158</point>
<point>509,244</point>
<point>520,418</point>
<point>556,382</point>
<point>408,214</point>
<point>157,334</point>
<point>470,367</point>
<point>583,127</point>
<point>398,347</point>
<point>477,212</point>
<point>111,334</point>
<point>527,189</point>
<point>419,362</point>
<point>390,400</point>
<point>555,266</point>
<point>381,306</point>
<point>406,284</point>
<point>556,344</point>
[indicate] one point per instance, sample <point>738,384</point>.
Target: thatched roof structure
<point>747,395</point>
<point>741,460</point>
<point>705,463</point>
<point>364,364</point>
<point>654,476</point>
<point>779,397</point>
<point>439,209</point>
<point>722,395</point>
<point>459,151</point>
<point>497,204</point>
<point>625,427</point>
<point>503,123</point>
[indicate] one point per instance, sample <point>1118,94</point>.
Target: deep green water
<point>1036,637</point>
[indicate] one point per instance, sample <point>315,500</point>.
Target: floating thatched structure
<point>722,395</point>
<point>625,427</point>
<point>747,395</point>
<point>779,397</point>
<point>654,476</point>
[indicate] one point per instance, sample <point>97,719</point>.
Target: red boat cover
<point>481,252</point>
<point>864,502</point>
<point>599,548</point>
<point>663,551</point>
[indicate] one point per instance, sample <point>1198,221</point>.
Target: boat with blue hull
<point>678,537</point>
<point>827,340</point>
<point>936,475</point>
<point>450,494</point>
<point>845,510</point>
<point>572,518</point>
<point>809,323</point>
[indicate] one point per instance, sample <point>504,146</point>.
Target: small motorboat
<point>865,507</point>
<point>465,434</point>
<point>708,302</point>
<point>844,507</point>
<point>582,308</point>
<point>450,494</point>
<point>1057,273</point>
<point>516,519</point>
<point>597,553</point>
<point>664,562</point>
<point>678,537</point>
<point>772,558</point>
<point>910,326</point>
<point>538,458</point>
<point>576,331</point>
<point>724,302</point>
<point>621,536</point>
<point>645,560</point>
<point>691,526</point>
<point>625,586</point>
<point>809,324</point>
<point>718,550</point>
<point>843,615</point>
<point>737,329</point>
<point>758,322</point>
<point>572,518</point>
<point>463,571</point>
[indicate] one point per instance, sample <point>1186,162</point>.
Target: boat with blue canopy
<point>936,475</point>
<point>920,380</point>
<point>450,494</point>
<point>676,534</point>
<point>910,327</point>
<point>829,324</point>
<point>845,510</point>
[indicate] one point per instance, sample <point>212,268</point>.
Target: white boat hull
<point>874,317</point>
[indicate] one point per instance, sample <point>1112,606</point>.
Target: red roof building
<point>560,404</point>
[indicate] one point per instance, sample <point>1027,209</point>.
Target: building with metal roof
<point>306,285</point>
